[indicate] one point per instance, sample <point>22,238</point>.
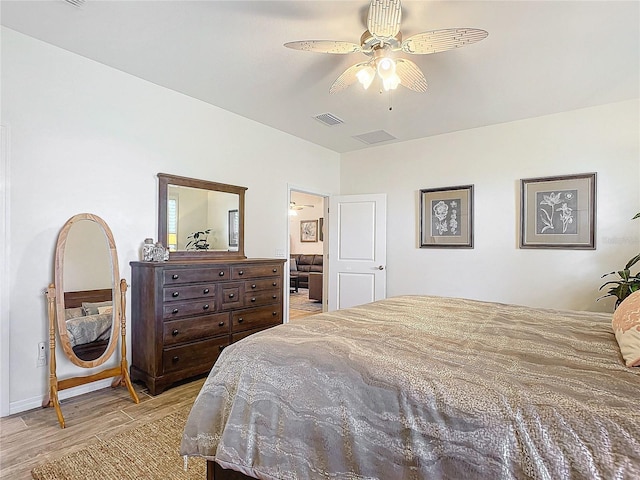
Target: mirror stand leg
<point>124,366</point>
<point>52,398</point>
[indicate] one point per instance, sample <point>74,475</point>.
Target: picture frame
<point>234,228</point>
<point>308,230</point>
<point>446,217</point>
<point>558,212</point>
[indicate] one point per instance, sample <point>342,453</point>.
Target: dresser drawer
<point>198,354</point>
<point>204,291</point>
<point>254,271</point>
<point>178,310</point>
<point>192,275</point>
<point>261,298</point>
<point>264,284</point>
<point>195,328</point>
<point>231,295</point>
<point>256,317</point>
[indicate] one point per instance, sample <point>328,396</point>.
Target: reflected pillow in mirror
<point>105,309</point>
<point>92,308</point>
<point>73,312</point>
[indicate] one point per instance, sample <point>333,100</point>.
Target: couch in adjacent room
<point>301,264</point>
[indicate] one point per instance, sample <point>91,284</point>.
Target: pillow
<point>293,265</point>
<point>73,312</point>
<point>105,309</point>
<point>626,326</point>
<point>92,308</point>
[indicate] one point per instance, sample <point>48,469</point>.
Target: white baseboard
<point>36,402</point>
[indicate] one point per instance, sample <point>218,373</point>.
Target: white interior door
<point>357,250</point>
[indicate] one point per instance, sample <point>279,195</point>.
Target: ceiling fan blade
<point>324,46</point>
<point>410,75</point>
<point>384,18</point>
<point>347,78</point>
<point>442,40</point>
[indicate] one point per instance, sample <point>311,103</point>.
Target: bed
<point>419,387</point>
<point>89,318</point>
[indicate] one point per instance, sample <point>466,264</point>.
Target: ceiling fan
<point>293,206</point>
<point>381,41</point>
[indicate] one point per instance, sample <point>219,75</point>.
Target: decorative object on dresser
<point>87,302</point>
<point>184,313</point>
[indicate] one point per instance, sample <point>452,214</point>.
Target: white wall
<point>88,138</point>
<point>603,139</point>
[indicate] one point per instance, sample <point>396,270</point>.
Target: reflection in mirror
<point>198,219</point>
<point>88,290</point>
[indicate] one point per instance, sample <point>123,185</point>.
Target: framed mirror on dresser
<point>208,295</point>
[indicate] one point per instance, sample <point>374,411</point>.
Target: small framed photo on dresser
<point>446,217</point>
<point>558,212</point>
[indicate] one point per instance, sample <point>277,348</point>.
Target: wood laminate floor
<point>34,437</point>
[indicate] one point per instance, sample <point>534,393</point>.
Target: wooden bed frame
<point>88,351</point>
<point>216,472</point>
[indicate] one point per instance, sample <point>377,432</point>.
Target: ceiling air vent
<point>328,119</point>
<point>374,137</point>
<point>75,3</point>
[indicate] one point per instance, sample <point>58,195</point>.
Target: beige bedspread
<point>420,387</point>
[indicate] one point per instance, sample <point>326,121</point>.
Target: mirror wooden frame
<point>165,180</point>
<point>56,311</point>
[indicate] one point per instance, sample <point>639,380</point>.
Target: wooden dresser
<point>183,313</point>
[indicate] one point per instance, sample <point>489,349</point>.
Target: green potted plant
<point>626,284</point>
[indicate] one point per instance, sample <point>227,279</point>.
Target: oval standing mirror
<point>198,219</point>
<point>87,282</point>
<point>86,305</point>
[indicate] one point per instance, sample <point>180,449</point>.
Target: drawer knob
<point>175,332</point>
<point>174,311</point>
<point>253,286</point>
<point>275,284</point>
<point>205,291</point>
<point>275,270</point>
<point>175,359</point>
<point>175,276</point>
<point>253,299</point>
<point>240,320</point>
<point>241,272</point>
<point>221,274</point>
<point>274,296</point>
<point>274,313</point>
<point>175,294</point>
<point>205,306</point>
<point>221,324</point>
<point>231,295</point>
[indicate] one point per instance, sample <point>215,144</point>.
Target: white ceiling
<point>540,57</point>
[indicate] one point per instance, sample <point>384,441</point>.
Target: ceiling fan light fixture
<point>386,67</point>
<point>391,82</point>
<point>366,76</point>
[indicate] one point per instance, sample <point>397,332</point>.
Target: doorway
<point>308,244</point>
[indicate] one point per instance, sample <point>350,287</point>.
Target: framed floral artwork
<point>558,212</point>
<point>446,217</point>
<point>308,230</point>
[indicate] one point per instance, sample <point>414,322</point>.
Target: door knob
<point>380,267</point>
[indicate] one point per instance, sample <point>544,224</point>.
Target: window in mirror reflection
<point>200,219</point>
